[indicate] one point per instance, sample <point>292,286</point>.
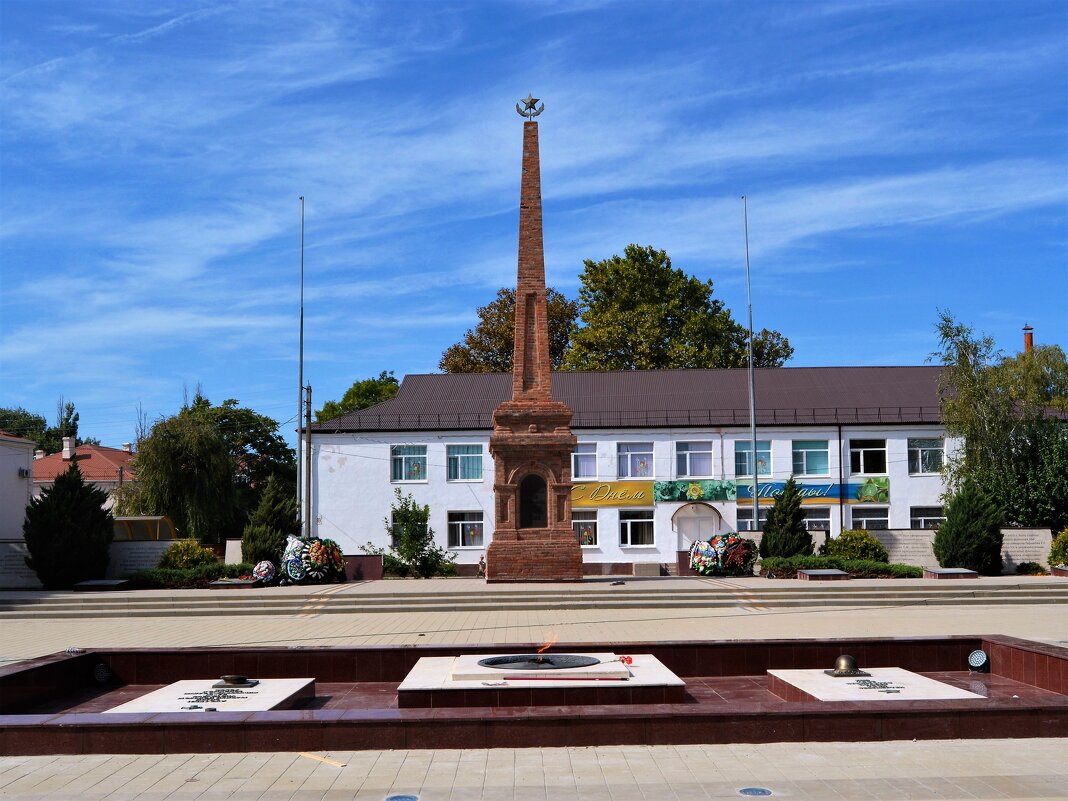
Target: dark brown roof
<point>656,398</point>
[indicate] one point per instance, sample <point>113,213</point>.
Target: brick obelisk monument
<point>532,441</point>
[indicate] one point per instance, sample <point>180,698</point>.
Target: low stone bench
<point>101,585</point>
<point>949,573</point>
<point>822,575</point>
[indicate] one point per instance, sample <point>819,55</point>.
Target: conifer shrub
<point>856,544</point>
<point>68,532</point>
<point>273,519</point>
<point>784,530</point>
<point>186,553</point>
<point>970,537</point>
<point>1058,552</point>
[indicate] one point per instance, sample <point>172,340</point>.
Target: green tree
<point>185,470</point>
<point>413,539</point>
<point>16,420</point>
<point>1014,446</point>
<point>68,532</point>
<point>274,519</point>
<point>637,312</point>
<point>253,442</point>
<point>970,537</point>
<point>489,346</point>
<point>1036,379</point>
<point>21,423</point>
<point>360,395</point>
<point>784,530</point>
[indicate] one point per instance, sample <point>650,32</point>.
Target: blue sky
<point>898,157</point>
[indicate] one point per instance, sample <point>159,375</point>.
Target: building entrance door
<point>696,522</point>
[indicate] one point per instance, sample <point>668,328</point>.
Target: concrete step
<point>307,605</point>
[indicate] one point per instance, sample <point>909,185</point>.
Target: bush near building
<point>68,532</point>
<point>1058,552</point>
<point>856,544</point>
<point>186,553</point>
<point>971,536</point>
<point>414,548</point>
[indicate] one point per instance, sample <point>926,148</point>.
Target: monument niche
<point>531,443</point>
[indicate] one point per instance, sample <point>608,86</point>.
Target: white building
<point>16,476</point>
<point>663,457</point>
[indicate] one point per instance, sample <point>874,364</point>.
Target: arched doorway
<point>533,502</point>
<point>696,522</point>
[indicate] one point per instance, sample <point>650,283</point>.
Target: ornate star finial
<point>530,108</point>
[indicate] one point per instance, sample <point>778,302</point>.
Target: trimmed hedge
<point>856,544</point>
<point>787,567</point>
<point>189,578</point>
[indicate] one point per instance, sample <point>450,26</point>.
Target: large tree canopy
<point>637,312</point>
<point>206,467</point>
<point>488,348</point>
<point>634,312</point>
<point>360,395</point>
<point>1015,443</point>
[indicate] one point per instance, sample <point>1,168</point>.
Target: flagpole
<point>752,374</point>
<point>300,363</point>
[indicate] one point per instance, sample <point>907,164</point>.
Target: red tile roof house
<point>106,468</point>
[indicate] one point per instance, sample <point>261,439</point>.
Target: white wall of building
<point>16,466</point>
<point>352,493</point>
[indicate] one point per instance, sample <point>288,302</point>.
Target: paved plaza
<point>963,769</point>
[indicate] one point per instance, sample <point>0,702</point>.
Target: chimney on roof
<point>38,454</point>
<point>69,449</point>
<point>1029,338</point>
<point>128,447</point>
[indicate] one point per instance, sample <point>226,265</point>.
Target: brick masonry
<point>532,432</point>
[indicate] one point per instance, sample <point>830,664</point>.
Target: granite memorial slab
<point>880,684</point>
<point>213,695</point>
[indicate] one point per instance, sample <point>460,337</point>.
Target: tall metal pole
<point>300,360</point>
<point>307,466</point>
<point>752,374</point>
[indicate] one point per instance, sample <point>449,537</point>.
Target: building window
<point>584,460</point>
<point>464,462</point>
<point>926,455</point>
<point>743,458</point>
<point>817,518</point>
<point>745,518</point>
<point>636,528</point>
<point>693,459</point>
<point>871,517</point>
<point>867,456</point>
<point>635,459</point>
<point>811,457</point>
<point>584,525</point>
<point>408,463</point>
<point>465,529</point>
<point>926,516</point>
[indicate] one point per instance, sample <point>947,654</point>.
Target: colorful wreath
<point>316,559</point>
<point>295,569</point>
<point>264,571</point>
